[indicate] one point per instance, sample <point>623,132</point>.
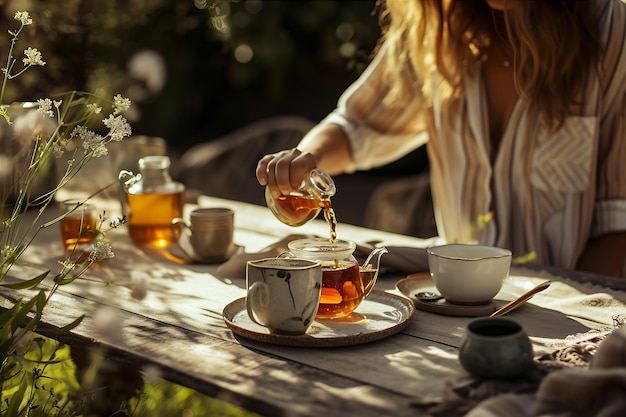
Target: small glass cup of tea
<point>79,227</point>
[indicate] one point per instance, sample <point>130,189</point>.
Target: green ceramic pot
<point>496,348</point>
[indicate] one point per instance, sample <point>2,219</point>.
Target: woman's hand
<point>284,171</point>
<point>325,147</point>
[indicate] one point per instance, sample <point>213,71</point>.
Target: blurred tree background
<point>196,70</point>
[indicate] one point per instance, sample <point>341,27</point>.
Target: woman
<point>522,106</point>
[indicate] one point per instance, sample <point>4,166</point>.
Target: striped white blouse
<point>549,192</point>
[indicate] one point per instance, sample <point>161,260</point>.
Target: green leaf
<point>16,399</point>
<point>41,302</point>
<point>26,284</point>
<point>23,312</point>
<point>64,281</point>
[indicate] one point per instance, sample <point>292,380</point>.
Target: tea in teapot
<point>343,283</point>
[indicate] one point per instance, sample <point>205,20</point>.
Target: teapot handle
<point>372,263</point>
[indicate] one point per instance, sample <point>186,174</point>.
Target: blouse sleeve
<point>610,207</point>
<point>379,132</point>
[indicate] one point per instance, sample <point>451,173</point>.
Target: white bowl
<point>468,274</point>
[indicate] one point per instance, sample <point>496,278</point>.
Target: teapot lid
<point>321,245</point>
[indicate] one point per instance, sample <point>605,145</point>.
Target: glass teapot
<point>305,203</point>
<point>345,284</point>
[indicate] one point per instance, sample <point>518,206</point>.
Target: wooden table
<point>178,328</point>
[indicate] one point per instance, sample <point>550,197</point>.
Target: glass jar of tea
<point>305,203</point>
<point>345,284</point>
<point>153,199</point>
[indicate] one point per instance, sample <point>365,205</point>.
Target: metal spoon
<point>428,296</point>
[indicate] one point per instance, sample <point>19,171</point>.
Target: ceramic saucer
<point>422,281</point>
<point>183,249</point>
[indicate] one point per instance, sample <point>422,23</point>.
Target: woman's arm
<point>604,255</point>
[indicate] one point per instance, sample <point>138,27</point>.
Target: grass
<point>64,384</point>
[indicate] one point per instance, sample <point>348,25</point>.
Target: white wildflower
<point>5,252</point>
<point>79,132</point>
<point>139,285</point>
<point>45,107</point>
<point>33,57</point>
<point>120,104</point>
<point>102,250</point>
<point>119,127</point>
<point>94,108</point>
<point>109,323</point>
<point>24,18</point>
<point>67,264</point>
<point>58,149</point>
<point>6,169</point>
<point>94,143</point>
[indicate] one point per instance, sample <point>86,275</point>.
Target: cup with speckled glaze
<point>283,294</point>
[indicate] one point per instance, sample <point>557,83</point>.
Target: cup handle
<point>258,296</point>
<point>177,226</point>
<point>285,255</point>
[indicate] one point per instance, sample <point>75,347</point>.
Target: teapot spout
<point>369,269</point>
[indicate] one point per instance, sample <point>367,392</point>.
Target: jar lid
<point>154,162</point>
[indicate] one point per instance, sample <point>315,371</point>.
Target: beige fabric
<point>564,393</point>
<point>549,192</point>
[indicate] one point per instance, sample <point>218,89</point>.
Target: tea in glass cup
<point>79,226</point>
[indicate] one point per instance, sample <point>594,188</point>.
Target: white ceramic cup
<point>283,294</point>
<point>209,233</point>
<point>468,274</point>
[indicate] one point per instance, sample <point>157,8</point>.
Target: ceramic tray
<point>422,281</point>
<point>380,315</point>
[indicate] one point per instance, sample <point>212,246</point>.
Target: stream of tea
<point>329,215</point>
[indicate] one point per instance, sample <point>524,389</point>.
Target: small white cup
<point>468,274</point>
<point>209,234</point>
<point>283,294</point>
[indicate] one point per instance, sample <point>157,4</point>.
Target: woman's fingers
<point>284,171</point>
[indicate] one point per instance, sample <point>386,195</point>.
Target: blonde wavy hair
<point>553,44</point>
